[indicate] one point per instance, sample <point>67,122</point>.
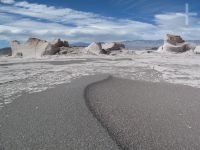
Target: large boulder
<point>34,47</point>
<point>174,43</point>
<point>94,48</point>
<point>174,39</point>
<point>113,46</point>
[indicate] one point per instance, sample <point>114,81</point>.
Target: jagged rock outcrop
<point>34,47</point>
<point>59,43</point>
<point>113,46</point>
<point>174,43</point>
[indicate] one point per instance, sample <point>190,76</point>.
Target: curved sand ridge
<point>143,115</point>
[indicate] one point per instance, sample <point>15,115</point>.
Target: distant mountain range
<point>5,51</point>
<point>80,44</point>
<point>149,44</point>
<point>142,44</point>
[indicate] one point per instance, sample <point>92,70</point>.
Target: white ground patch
<point>19,75</point>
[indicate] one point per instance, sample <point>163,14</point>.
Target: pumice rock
<point>174,43</point>
<point>35,47</point>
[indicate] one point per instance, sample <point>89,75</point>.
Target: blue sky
<point>96,20</point>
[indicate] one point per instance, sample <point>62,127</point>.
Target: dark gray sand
<point>115,114</point>
<point>147,116</point>
<point>56,119</point>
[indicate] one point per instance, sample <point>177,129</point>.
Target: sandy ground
<point>147,116</point>
<point>56,119</point>
<point>105,113</point>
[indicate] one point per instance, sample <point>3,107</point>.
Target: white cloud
<point>174,23</point>
<point>174,19</point>
<point>50,22</point>
<point>7,1</point>
<point>74,25</point>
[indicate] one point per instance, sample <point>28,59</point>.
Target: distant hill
<point>142,44</point>
<point>80,44</point>
<point>5,51</point>
<point>194,41</point>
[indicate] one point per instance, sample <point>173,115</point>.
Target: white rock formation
<point>174,43</point>
<point>34,47</point>
<point>98,48</point>
<point>197,50</point>
<point>15,46</point>
<point>94,48</point>
<point>113,46</point>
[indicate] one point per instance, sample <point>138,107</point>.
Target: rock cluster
<point>174,43</point>
<point>34,47</point>
<point>99,48</point>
